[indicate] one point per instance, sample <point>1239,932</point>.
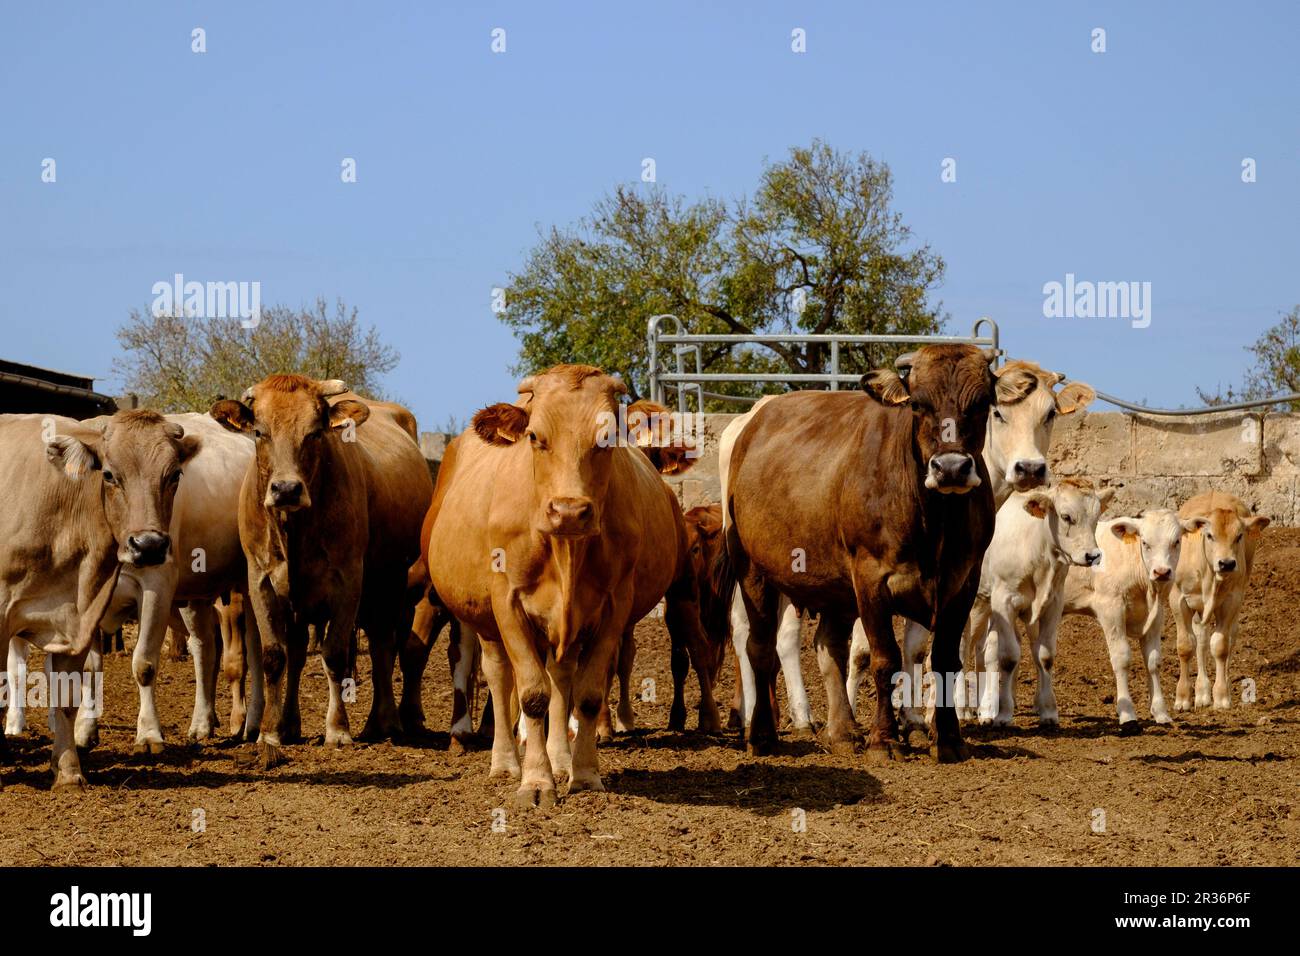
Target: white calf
<point>1038,536</point>
<point>1125,593</point>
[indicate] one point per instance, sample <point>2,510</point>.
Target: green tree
<point>818,233</point>
<point>183,363</point>
<point>1276,370</point>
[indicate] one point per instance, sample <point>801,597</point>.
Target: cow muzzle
<point>571,516</point>
<point>287,494</point>
<point>1028,474</point>
<point>1161,574</point>
<point>146,549</point>
<point>952,473</point>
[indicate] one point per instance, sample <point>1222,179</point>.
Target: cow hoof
<point>504,773</point>
<point>734,721</point>
<point>677,721</point>
<point>337,740</point>
<point>148,748</point>
<point>579,784</point>
<point>1130,728</point>
<point>949,751</point>
<point>845,748</point>
<point>198,736</point>
<point>69,781</point>
<point>604,735</point>
<point>761,746</point>
<point>1048,725</point>
<point>251,736</point>
<point>1182,705</point>
<point>884,751</point>
<point>1163,720</point>
<point>272,756</point>
<point>458,745</point>
<point>529,798</point>
<point>803,732</point>
<point>88,741</point>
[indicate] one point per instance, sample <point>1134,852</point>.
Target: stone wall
<point>1151,461</point>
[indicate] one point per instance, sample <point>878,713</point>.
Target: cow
<point>78,503</point>
<point>704,545</point>
<point>430,618</point>
<point>1038,537</point>
<point>1125,592</point>
<point>553,536</point>
<point>329,518</point>
<point>788,632</point>
<point>1209,587</point>
<point>1026,407</point>
<point>894,519</point>
<point>204,564</point>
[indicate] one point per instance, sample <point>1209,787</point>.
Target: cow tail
<point>724,570</point>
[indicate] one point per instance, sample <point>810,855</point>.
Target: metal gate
<point>676,347</point>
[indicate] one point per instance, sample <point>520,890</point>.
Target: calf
<point>329,519</point>
<point>551,539</point>
<point>1125,592</point>
<point>704,544</point>
<point>1209,586</point>
<point>1039,536</point>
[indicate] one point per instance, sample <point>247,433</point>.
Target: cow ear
<point>1038,504</point>
<point>331,387</point>
<point>670,459</point>
<point>348,411</point>
<point>500,424</point>
<point>73,456</point>
<point>1194,524</point>
<point>1074,397</point>
<point>1013,384</point>
<point>233,415</point>
<point>649,423</point>
<point>885,387</point>
<point>1256,524</point>
<point>1104,497</point>
<point>1123,528</point>
<point>188,447</point>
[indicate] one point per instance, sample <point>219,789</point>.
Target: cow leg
<point>1112,621</point>
<point>946,745</point>
<point>233,663</point>
<point>1220,644</point>
<point>16,714</point>
<point>61,671</point>
<point>859,665</point>
<point>916,644</point>
<point>1001,661</point>
<point>743,700</point>
<point>559,709</point>
<point>886,661</point>
<point>1042,638</point>
<point>500,678</point>
<point>336,656</point>
<point>271,627</point>
<point>301,638</point>
<point>155,613</point>
<point>413,657</point>
<point>588,690</point>
<point>1200,627</point>
<point>527,651</point>
<point>832,643</point>
<point>966,688</point>
<point>1151,657</point>
<point>462,657</point>
<point>761,602</point>
<point>789,636</point>
<point>85,731</point>
<point>256,689</point>
<point>200,619</point>
<point>624,718</point>
<point>1186,647</point>
<point>682,615</point>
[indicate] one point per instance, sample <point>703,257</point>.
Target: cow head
<point>1159,535</point>
<point>1020,424</point>
<point>949,389</point>
<point>138,455</point>
<point>1071,509</point>
<point>703,538</point>
<point>562,422</point>
<point>292,423</point>
<point>1223,535</point>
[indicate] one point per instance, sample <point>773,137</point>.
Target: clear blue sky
<point>225,166</point>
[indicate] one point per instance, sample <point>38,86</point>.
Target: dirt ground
<point>1216,788</point>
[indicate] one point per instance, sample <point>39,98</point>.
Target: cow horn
<point>528,385</point>
<point>990,354</point>
<point>247,397</point>
<point>333,386</point>
<point>174,431</point>
<point>905,360</point>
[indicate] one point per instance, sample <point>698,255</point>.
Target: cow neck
<point>567,557</point>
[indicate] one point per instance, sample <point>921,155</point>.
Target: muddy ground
<point>1216,788</point>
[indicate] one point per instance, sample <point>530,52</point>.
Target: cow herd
<point>288,521</point>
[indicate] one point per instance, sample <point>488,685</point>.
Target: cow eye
<point>258,433</point>
<point>1067,519</point>
<point>997,415</point>
<point>174,477</point>
<point>1051,413</point>
<point>109,478</point>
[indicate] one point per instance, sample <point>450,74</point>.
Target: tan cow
<point>1209,586</point>
<point>329,518</point>
<point>77,502</point>
<point>552,537</point>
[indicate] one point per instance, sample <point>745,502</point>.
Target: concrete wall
<point>1150,461</point>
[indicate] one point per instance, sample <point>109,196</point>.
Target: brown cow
<point>329,519</point>
<point>894,519</point>
<point>78,503</point>
<point>550,540</point>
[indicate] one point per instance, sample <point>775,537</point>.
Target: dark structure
<point>26,388</point>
